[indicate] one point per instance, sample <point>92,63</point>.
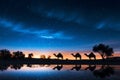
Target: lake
<point>59,72</point>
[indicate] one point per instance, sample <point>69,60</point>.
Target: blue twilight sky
<point>59,24</point>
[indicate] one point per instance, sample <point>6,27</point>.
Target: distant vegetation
<point>18,55</point>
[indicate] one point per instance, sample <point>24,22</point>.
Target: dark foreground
<point>56,61</point>
<point>54,69</point>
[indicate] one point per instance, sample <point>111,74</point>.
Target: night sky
<point>59,25</point>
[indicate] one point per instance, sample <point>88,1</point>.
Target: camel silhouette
<point>76,67</point>
<point>77,55</point>
<point>91,67</point>
<point>91,55</point>
<point>49,57</point>
<point>59,55</point>
<point>58,67</point>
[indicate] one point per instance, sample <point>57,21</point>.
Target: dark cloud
<point>71,22</point>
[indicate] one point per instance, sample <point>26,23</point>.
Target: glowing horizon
<point>66,54</point>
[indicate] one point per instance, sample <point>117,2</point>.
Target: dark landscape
<point>59,39</point>
<point>115,61</point>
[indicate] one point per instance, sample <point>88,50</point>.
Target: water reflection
<point>104,72</point>
<point>29,65</point>
<point>4,67</point>
<point>16,66</point>
<point>76,67</point>
<point>58,67</point>
<point>77,71</point>
<point>91,67</point>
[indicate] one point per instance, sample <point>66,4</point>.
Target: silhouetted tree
<point>5,54</point>
<point>18,55</point>
<point>30,55</point>
<point>103,50</point>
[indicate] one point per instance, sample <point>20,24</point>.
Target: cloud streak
<point>45,33</point>
<point>59,14</point>
<point>109,24</point>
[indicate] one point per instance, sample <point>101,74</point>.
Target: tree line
<point>6,54</point>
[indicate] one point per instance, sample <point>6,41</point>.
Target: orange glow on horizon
<point>66,55</point>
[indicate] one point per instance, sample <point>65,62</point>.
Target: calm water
<point>59,72</point>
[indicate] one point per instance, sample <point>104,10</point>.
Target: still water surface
<point>59,72</point>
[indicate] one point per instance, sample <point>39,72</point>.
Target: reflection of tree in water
<point>76,67</point>
<point>16,66</point>
<point>104,72</point>
<point>58,67</point>
<point>4,67</point>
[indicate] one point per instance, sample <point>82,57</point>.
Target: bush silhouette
<point>18,55</point>
<point>5,54</point>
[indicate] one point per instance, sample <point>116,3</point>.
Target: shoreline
<point>56,61</point>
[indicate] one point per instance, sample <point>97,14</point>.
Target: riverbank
<point>56,61</point>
